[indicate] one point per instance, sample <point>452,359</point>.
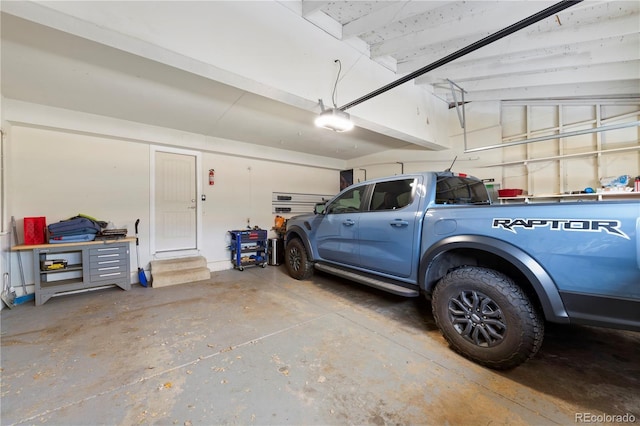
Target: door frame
<point>152,201</point>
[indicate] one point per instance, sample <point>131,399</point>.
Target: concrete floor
<point>257,347</point>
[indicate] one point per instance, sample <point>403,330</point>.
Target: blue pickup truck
<point>493,273</point>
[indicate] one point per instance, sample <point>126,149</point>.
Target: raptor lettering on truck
<point>580,225</point>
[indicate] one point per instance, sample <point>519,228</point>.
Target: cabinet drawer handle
<point>108,261</point>
<point>109,255</point>
<point>109,249</point>
<point>110,275</point>
<point>109,268</point>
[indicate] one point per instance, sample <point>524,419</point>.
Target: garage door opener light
<point>334,118</point>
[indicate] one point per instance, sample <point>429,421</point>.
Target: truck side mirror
<point>319,208</point>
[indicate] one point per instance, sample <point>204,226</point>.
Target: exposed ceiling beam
<point>627,88</point>
<point>569,75</point>
<point>394,11</point>
<point>492,38</point>
<point>580,55</point>
<point>560,36</point>
<point>325,22</point>
<point>310,6</point>
<point>483,22</point>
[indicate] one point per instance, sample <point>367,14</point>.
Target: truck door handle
<point>348,222</point>
<point>399,223</point>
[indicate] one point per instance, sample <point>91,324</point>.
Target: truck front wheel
<point>486,317</point>
<point>297,261</point>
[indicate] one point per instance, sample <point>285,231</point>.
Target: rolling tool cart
<point>248,247</point>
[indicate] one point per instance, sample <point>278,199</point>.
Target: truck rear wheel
<point>487,318</point>
<point>298,264</point>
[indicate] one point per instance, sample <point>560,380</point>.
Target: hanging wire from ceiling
<point>335,86</point>
<point>333,118</point>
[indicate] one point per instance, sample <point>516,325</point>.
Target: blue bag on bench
<point>72,238</point>
<point>74,226</point>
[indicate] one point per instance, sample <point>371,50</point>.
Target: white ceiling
<point>589,50</point>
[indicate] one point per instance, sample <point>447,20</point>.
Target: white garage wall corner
<point>5,128</point>
<point>5,236</point>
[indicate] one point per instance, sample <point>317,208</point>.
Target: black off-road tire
<point>487,318</point>
<point>295,257</point>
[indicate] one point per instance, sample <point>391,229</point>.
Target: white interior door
<point>175,201</point>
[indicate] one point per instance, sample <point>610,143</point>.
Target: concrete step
<point>165,279</point>
<point>182,270</point>
<point>178,264</point>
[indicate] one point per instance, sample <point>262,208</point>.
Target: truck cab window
<point>349,202</point>
<point>392,195</point>
<point>460,190</point>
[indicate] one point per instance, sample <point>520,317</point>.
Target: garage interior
<point>106,106</point>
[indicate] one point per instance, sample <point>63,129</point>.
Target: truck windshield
<point>460,190</point>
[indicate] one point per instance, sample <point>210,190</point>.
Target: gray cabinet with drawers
<point>87,266</point>
<point>109,263</point>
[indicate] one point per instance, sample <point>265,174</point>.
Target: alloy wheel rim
<point>477,318</point>
<point>294,259</point>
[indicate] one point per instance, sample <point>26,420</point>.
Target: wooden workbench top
<point>81,243</point>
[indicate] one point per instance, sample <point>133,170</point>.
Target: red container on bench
<point>509,192</point>
<point>34,230</point>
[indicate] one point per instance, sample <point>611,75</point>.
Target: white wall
<point>243,191</point>
<point>483,127</point>
<point>572,163</point>
<point>5,240</point>
<point>488,122</point>
<point>59,173</point>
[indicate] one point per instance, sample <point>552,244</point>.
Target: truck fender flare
<point>542,283</point>
<point>297,231</point>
